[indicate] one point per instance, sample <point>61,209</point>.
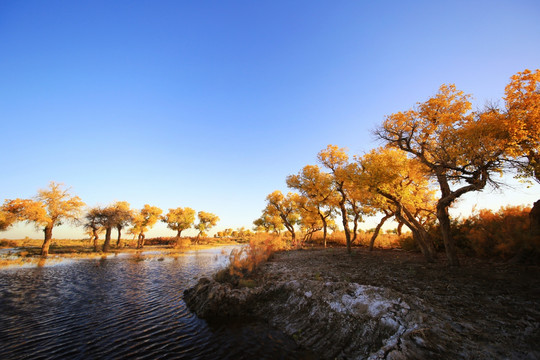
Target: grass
<point>245,261</point>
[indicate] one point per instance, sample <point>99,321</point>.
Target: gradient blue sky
<point>211,104</point>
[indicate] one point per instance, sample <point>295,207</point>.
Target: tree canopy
<point>51,207</point>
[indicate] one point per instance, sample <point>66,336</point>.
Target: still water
<point>123,307</point>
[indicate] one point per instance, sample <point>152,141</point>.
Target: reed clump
<point>244,261</point>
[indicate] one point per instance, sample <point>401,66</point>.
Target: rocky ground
<point>388,304</point>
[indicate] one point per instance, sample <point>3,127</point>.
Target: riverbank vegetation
<point>433,154</point>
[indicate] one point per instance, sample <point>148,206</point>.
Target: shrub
<point>161,241</point>
<point>503,234</point>
<point>407,243</point>
<point>244,261</point>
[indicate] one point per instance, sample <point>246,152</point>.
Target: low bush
<point>503,234</point>
<point>244,261</point>
<point>160,241</point>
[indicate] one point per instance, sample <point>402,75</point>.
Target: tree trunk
<point>293,237</point>
<point>179,239</point>
<point>290,228</point>
<point>119,241</point>
<point>96,237</point>
<point>420,235</point>
<point>449,245</point>
<point>399,228</point>
<point>323,219</point>
<point>345,222</point>
<point>140,241</point>
<point>107,243</point>
<point>47,241</point>
<point>355,226</point>
<point>376,232</point>
<point>476,183</point>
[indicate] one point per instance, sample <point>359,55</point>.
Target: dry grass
<point>337,238</point>
<point>245,261</point>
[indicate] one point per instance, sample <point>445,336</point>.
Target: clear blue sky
<point>211,104</point>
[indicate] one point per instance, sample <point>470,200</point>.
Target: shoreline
<point>26,256</point>
<point>386,304</point>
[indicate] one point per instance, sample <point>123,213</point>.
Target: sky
<point>211,104</point>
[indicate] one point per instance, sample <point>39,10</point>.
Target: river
<point>123,307</point>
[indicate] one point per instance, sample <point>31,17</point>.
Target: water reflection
<point>122,307</point>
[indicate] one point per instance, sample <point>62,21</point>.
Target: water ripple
<point>122,307</point>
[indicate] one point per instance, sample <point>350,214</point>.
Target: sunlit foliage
<point>93,224</point>
<point>6,219</point>
<point>336,160</point>
<point>123,214</point>
<point>142,221</point>
<point>51,207</point>
<point>522,122</point>
<point>321,198</point>
<point>454,143</point>
<point>503,233</point>
<point>404,191</point>
<point>285,208</point>
<point>206,222</point>
<point>269,223</point>
<point>179,219</point>
<point>348,198</point>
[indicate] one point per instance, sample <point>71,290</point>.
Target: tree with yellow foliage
<point>122,218</point>
<point>403,190</point>
<point>286,208</point>
<point>521,121</point>
<point>6,219</point>
<point>268,223</point>
<point>179,219</point>
<point>52,207</point>
<point>455,144</point>
<point>337,161</point>
<point>142,221</point>
<point>206,222</point>
<point>310,221</point>
<point>316,187</point>
<point>92,223</point>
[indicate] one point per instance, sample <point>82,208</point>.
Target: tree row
<point>433,154</point>
<point>55,205</point>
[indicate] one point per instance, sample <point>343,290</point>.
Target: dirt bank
<point>387,305</point>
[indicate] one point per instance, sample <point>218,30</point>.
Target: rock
<point>489,312</point>
<point>335,320</point>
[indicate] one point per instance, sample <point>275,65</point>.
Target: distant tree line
<point>55,205</point>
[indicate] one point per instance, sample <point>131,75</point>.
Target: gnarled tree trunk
<point>95,238</point>
<point>47,242</point>
<point>140,242</point>
<point>345,222</point>
<point>325,226</point>
<point>377,229</point>
<point>107,243</point>
<point>119,241</point>
<point>449,245</point>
